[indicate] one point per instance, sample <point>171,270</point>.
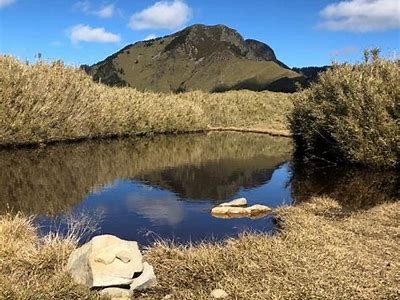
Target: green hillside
<point>208,58</point>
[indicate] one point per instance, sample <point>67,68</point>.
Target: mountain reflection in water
<point>165,186</point>
<point>213,166</point>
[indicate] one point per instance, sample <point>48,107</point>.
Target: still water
<point>164,186</point>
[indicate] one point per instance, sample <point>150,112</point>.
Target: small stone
<point>218,294</point>
<point>235,203</point>
<point>116,293</point>
<point>167,297</point>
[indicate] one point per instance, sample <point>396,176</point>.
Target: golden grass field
<point>321,252</point>
<point>47,102</point>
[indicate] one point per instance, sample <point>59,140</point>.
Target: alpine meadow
<point>183,149</point>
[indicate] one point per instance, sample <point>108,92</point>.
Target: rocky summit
<point>199,57</point>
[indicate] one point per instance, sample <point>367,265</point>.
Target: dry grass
<point>246,109</point>
<point>352,114</point>
<point>321,252</point>
<point>48,102</point>
<point>33,267</point>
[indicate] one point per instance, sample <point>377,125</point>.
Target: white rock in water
<point>218,294</point>
<point>258,209</point>
<point>105,261</point>
<point>227,212</point>
<point>236,202</point>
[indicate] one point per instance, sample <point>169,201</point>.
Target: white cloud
<point>106,11</point>
<point>162,210</point>
<point>150,37</point>
<point>162,15</point>
<point>83,6</point>
<point>4,3</point>
<point>361,15</point>
<point>344,51</point>
<point>85,33</point>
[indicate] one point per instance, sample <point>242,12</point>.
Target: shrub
<point>351,114</point>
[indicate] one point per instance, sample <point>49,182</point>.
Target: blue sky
<point>302,32</point>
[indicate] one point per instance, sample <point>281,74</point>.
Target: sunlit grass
<point>352,114</point>
<point>320,252</point>
<point>33,267</point>
<point>47,102</point>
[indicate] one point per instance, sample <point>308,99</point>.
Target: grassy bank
<point>321,252</point>
<point>47,102</point>
<point>32,267</point>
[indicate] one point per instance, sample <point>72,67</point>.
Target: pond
<point>163,187</point>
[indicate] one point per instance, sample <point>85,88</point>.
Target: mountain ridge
<point>199,57</point>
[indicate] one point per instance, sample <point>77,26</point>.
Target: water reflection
<point>134,210</point>
<point>214,166</point>
<point>165,186</point>
<point>157,206</point>
<point>353,188</point>
<point>211,180</point>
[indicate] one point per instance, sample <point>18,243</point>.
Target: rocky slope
<point>200,57</point>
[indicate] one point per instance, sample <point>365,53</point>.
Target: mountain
<point>199,57</point>
<point>310,73</point>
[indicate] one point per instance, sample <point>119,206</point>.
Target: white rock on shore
<point>145,280</point>
<point>114,265</point>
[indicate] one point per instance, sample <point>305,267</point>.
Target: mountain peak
<point>206,57</point>
<point>218,38</point>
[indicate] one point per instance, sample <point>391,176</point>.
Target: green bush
<point>351,114</point>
